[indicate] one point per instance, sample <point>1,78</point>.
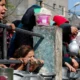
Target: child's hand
<point>35,63</point>
<point>3,66</point>
<point>12,65</point>
<point>12,26</point>
<point>75,63</point>
<point>26,60</point>
<point>74,30</point>
<point>40,62</point>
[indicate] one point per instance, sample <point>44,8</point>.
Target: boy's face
<point>2,9</point>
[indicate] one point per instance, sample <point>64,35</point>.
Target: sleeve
<point>67,59</point>
<point>28,18</point>
<point>16,22</point>
<point>66,32</point>
<point>66,27</point>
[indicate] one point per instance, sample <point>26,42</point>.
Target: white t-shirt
<point>17,75</point>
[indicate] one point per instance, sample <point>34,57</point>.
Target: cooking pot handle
<point>48,74</point>
<point>18,74</point>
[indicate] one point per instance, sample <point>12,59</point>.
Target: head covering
<point>59,20</point>
<point>28,18</point>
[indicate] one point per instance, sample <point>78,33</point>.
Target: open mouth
<point>3,13</point>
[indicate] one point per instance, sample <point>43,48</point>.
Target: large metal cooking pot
<point>48,76</point>
<point>23,75</point>
<point>65,73</point>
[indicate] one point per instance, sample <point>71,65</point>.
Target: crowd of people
<point>69,33</point>
<point>22,47</point>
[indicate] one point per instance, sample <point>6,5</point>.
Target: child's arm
<point>70,67</point>
<point>3,66</point>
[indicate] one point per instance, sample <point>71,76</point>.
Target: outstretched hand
<point>3,66</point>
<point>12,26</point>
<point>71,68</point>
<point>35,63</point>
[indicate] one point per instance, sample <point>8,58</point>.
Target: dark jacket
<point>28,21</point>
<point>66,32</point>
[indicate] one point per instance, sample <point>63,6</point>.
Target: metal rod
<point>29,32</point>
<point>27,66</point>
<point>4,44</point>
<point>10,61</point>
<point>22,31</point>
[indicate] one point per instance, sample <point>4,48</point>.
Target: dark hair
<point>22,51</point>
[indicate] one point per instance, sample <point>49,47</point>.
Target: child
<point>26,54</point>
<point>9,32</point>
